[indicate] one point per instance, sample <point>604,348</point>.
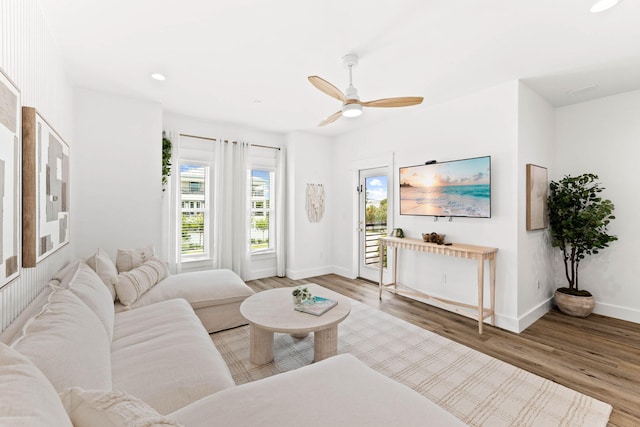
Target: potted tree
<point>578,220</point>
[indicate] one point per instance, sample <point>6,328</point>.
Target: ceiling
<point>246,61</point>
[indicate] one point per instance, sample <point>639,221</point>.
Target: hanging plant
<point>166,160</point>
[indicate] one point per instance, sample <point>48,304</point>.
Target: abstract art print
<point>10,152</point>
<point>45,189</point>
<point>536,197</point>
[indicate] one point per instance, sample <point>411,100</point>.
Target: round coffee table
<point>272,311</point>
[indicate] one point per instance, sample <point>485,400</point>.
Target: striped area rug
<point>478,389</point>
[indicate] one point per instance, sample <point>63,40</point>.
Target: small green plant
<point>301,293</point>
<point>166,160</point>
<point>578,220</point>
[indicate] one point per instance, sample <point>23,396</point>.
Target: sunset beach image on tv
<point>460,188</point>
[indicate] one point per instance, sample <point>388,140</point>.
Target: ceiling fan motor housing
<point>352,93</point>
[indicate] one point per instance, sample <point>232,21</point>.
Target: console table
<point>478,253</point>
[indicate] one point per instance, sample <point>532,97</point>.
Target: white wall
<point>116,171</point>
<point>262,265</point>
<point>309,244</point>
<point>601,137</point>
<point>29,57</point>
<point>479,124</point>
<point>536,142</point>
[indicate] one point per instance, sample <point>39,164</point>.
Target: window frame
<point>193,206</point>
<point>270,210</point>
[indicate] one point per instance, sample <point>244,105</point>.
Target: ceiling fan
<point>351,104</point>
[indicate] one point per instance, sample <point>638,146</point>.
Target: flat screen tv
<point>458,188</point>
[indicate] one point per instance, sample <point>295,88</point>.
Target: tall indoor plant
<point>578,220</point>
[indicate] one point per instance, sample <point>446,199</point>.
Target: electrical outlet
<point>444,279</point>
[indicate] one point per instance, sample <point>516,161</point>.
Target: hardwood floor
<point>598,356</point>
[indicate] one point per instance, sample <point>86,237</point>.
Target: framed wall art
<point>45,198</point>
<point>537,190</point>
<point>10,157</point>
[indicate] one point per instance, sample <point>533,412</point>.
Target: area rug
<point>478,389</point>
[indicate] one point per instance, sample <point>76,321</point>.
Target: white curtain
<point>231,224</point>
<point>173,208</point>
<point>281,203</point>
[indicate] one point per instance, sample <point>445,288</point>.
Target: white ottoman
<point>215,296</point>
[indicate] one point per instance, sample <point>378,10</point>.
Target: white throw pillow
<point>86,285</point>
<point>68,343</point>
<point>102,264</point>
<point>99,408</point>
<point>131,285</point>
<point>26,397</point>
<point>128,259</point>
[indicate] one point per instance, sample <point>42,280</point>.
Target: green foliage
<point>376,214</point>
<point>578,220</point>
<point>302,293</point>
<point>166,160</point>
<point>192,225</point>
<point>262,224</point>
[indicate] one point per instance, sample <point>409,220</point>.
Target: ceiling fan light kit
<point>351,104</point>
<point>351,110</point>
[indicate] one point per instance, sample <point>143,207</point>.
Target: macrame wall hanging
<point>315,202</point>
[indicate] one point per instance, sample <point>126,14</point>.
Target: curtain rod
<point>234,142</point>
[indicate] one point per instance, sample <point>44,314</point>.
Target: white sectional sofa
<point>71,359</point>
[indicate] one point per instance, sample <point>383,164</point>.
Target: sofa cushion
<point>104,267</point>
<point>201,288</point>
<point>162,354</point>
<point>338,391</point>
<point>131,285</point>
<point>68,343</point>
<point>68,269</point>
<point>27,397</point>
<point>215,295</point>
<point>128,259</point>
<point>100,408</point>
<point>14,330</point>
<point>86,285</point>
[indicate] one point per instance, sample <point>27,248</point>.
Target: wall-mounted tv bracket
<point>435,218</point>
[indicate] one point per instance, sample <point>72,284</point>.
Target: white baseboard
<point>534,314</point>
<point>311,272</point>
<point>261,274</point>
<point>344,272</point>
<point>622,313</point>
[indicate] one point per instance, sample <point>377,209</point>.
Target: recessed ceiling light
<point>158,76</point>
<point>602,5</point>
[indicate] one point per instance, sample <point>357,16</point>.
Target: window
<point>195,211</point>
<point>262,216</point>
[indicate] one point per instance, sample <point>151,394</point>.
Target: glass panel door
<point>373,220</point>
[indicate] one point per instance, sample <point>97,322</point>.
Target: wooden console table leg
<point>382,249</point>
<point>260,345</point>
<point>325,343</point>
<point>480,294</point>
<point>395,268</point>
<point>492,273</point>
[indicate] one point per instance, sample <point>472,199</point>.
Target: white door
<point>373,191</point>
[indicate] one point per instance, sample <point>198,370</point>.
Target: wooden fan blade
<point>332,118</point>
<point>403,101</point>
<point>327,88</point>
